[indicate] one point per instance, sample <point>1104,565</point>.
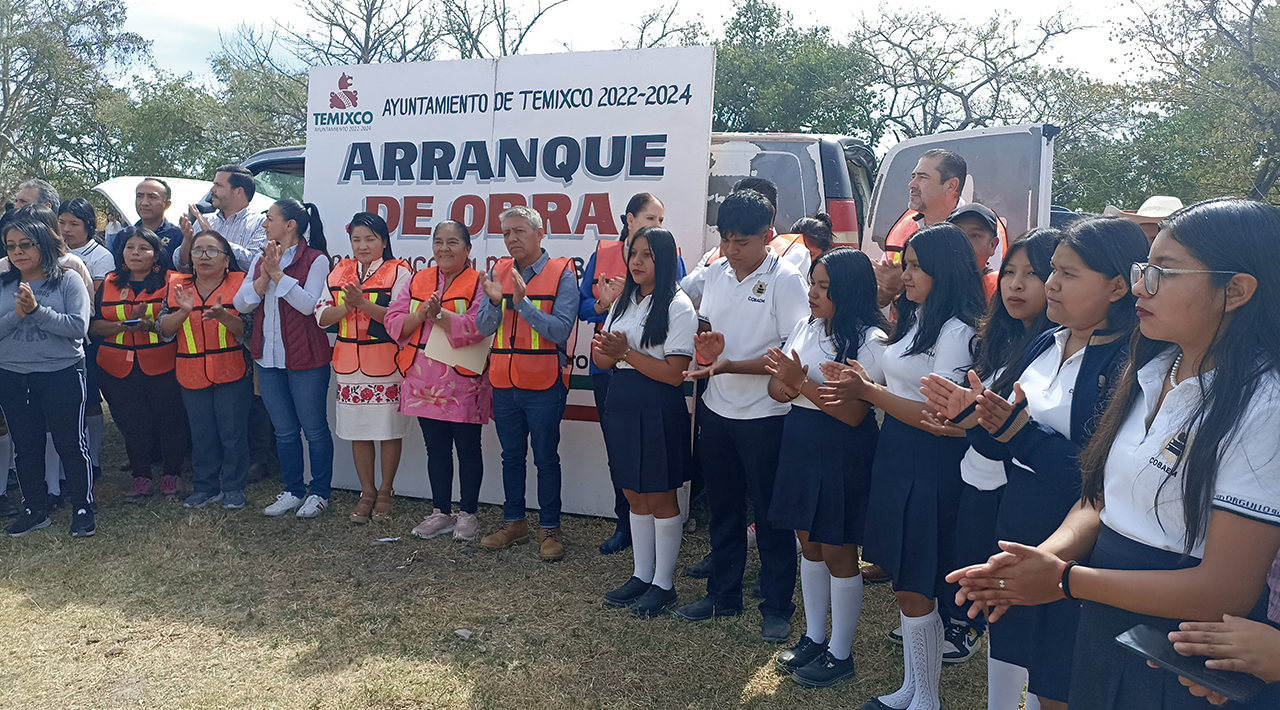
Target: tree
<point>364,32</point>
<point>663,27</point>
<point>480,29</point>
<point>773,76</point>
<point>265,94</point>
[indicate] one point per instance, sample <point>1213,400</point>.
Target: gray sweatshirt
<point>51,337</point>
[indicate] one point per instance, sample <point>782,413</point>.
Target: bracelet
<point>624,355</point>
<point>800,388</point>
<point>1065,580</point>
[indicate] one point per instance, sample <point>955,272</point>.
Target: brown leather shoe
<point>874,574</point>
<point>552,548</point>
<point>514,532</point>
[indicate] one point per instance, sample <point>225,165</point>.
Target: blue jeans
<point>297,401</point>
<point>219,418</point>
<point>521,416</point>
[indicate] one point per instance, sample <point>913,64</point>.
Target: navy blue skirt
<point>914,502</point>
<point>1042,638</point>
<point>824,476</point>
<point>646,433</point>
<point>1110,677</point>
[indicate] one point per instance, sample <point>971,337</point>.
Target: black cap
<point>973,209</point>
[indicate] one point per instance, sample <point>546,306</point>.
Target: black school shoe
<point>653,602</point>
<point>824,671</point>
<point>704,609</point>
<point>700,569</point>
<point>82,523</point>
<point>800,655</point>
<point>775,629</point>
<point>28,521</point>
<point>627,593</point>
<point>619,541</point>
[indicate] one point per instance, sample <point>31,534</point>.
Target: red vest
<point>457,299</point>
<point>207,353</point>
<point>520,356</point>
<point>306,345</point>
<point>362,347</point>
<point>120,352</point>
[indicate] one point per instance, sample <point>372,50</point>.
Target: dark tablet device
<point>132,321</point>
<point>1155,646</point>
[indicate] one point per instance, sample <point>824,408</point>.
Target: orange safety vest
<point>457,298</point>
<point>781,244</point>
<point>907,225</point>
<point>207,353</point>
<point>119,352</point>
<point>363,344</point>
<point>521,357</point>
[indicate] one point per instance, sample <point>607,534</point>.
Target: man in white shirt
<point>751,302</point>
<point>231,193</point>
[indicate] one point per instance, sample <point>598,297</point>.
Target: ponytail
<point>635,206</point>
<point>307,217</point>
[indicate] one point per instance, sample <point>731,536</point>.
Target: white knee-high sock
<point>926,634</point>
<point>52,467</point>
<point>846,606</point>
<point>815,589</point>
<point>1005,682</point>
<point>667,535</point>
<point>901,698</point>
<point>642,545</point>
<point>94,423</point>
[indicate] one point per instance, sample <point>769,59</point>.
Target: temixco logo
<point>343,99</point>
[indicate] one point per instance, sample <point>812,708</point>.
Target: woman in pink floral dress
<point>451,403</point>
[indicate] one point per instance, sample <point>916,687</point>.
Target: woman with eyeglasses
<point>137,360</point>
<point>1179,518</point>
<point>1038,417</point>
<point>212,369</point>
<point>44,316</point>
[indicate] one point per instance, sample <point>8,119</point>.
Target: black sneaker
<point>632,590</point>
<point>700,569</point>
<point>654,602</point>
<point>27,522</point>
<point>704,609</point>
<point>959,644</point>
<point>54,503</point>
<point>82,524</point>
<point>800,655</point>
<point>824,672</point>
<point>7,508</point>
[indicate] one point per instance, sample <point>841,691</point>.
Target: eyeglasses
<point>1150,275</point>
<point>21,246</point>
<point>206,253</point>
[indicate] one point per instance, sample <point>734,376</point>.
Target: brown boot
<point>515,532</point>
<point>552,548</point>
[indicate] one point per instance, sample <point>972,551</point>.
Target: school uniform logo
<point>759,289</point>
<point>1170,451</point>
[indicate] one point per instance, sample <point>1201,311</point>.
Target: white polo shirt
<point>1142,458</point>
<point>754,314</point>
<point>949,357</point>
<point>682,325</point>
<point>813,346</point>
<point>694,283</point>
<point>1050,387</point>
<point>978,470</point>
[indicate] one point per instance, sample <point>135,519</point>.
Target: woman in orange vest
<point>213,370</point>
<point>451,403</point>
<point>364,357</point>
<point>137,360</point>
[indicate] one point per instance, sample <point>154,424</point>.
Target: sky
<point>183,40</point>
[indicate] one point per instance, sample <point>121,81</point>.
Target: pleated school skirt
<point>912,509</point>
<point>646,432</point>
<point>824,476</point>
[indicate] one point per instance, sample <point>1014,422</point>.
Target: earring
<point>155,269</point>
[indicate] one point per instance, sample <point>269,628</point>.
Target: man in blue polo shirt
<point>152,197</point>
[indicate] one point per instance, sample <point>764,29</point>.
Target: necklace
<point>1173,371</point>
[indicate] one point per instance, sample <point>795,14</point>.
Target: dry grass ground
<point>175,609</point>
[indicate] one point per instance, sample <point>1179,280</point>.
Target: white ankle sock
<point>815,588</point>
<point>901,698</point>
<point>926,634</point>
<point>1005,682</point>
<point>642,545</point>
<point>94,424</point>
<point>846,606</point>
<point>667,535</point>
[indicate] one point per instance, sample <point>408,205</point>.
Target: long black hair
<point>1002,339</point>
<point>159,268</point>
<point>1224,234</point>
<point>46,242</point>
<point>310,227</point>
<point>39,213</point>
<point>376,224</point>
<point>945,254</point>
<point>1109,245</point>
<point>80,208</point>
<point>233,264</point>
<point>635,206</point>
<point>853,296</point>
<point>816,229</point>
<point>663,246</point>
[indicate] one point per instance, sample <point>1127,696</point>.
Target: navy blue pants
<point>600,388</point>
<point>740,459</point>
<point>219,435</point>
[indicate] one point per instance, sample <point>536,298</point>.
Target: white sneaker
<point>285,502</point>
<point>312,506</point>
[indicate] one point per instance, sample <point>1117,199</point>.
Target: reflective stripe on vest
<point>357,348</point>
<point>208,354</point>
<point>457,298</point>
<point>520,356</point>
<point>119,352</point>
